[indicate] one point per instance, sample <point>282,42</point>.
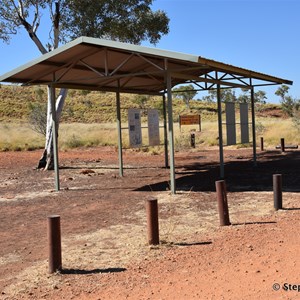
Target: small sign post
<point>190,120</point>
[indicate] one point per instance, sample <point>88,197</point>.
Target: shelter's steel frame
<point>103,65</point>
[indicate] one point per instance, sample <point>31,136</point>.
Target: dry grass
<point>275,129</point>
<point>19,136</point>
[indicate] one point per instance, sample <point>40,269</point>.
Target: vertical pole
<point>277,190</point>
<point>54,243</point>
<point>253,127</point>
<point>152,221</point>
<point>222,203</point>
<point>165,132</point>
<point>282,146</point>
<point>171,133</point>
<point>179,121</point>
<point>54,134</point>
<point>261,144</point>
<point>220,132</point>
<point>200,123</point>
<point>193,141</point>
<point>120,150</point>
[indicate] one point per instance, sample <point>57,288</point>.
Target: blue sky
<point>262,35</point>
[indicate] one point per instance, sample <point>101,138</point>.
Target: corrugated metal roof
<point>98,64</point>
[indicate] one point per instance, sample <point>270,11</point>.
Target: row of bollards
<point>54,232</point>
<point>223,203</point>
<point>282,144</point>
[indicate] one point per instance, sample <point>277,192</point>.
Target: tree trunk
<point>46,161</point>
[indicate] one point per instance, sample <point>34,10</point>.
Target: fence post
<point>193,140</point>
<point>277,191</point>
<point>282,145</point>
<point>54,243</point>
<point>222,203</point>
<point>261,144</point>
<point>152,221</point>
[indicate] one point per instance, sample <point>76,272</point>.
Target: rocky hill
<point>16,103</point>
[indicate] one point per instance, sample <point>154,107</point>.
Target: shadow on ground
<point>240,174</point>
<point>94,271</point>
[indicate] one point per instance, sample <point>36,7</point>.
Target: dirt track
<point>105,254</point>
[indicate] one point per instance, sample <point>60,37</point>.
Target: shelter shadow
<point>240,174</point>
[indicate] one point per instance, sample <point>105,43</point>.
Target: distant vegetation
<point>88,119</point>
<point>17,104</point>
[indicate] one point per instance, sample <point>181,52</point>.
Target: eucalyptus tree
<point>227,95</point>
<point>186,93</point>
<point>289,104</point>
<point>127,20</point>
<point>259,96</point>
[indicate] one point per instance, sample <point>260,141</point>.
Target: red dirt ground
<point>104,235</point>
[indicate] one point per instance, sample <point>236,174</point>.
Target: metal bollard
<point>277,191</point>
<point>54,243</point>
<point>193,140</point>
<point>152,221</point>
<point>261,144</point>
<point>222,203</point>
<point>282,145</point>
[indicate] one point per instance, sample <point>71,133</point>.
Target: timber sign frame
<point>190,120</point>
<point>104,65</point>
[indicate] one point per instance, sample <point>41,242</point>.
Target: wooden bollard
<point>54,243</point>
<point>261,144</point>
<point>193,140</point>
<point>152,221</point>
<point>282,145</point>
<point>222,203</point>
<point>277,191</point>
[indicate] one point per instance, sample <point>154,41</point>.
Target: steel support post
<point>165,132</point>
<point>253,127</point>
<point>54,243</point>
<point>171,133</point>
<point>120,148</point>
<point>152,221</point>
<point>54,135</point>
<point>221,154</point>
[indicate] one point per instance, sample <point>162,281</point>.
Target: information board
<point>134,126</point>
<point>153,127</point>
<point>230,123</point>
<point>244,123</point>
<point>190,120</point>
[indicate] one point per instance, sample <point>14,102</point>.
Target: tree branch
<point>29,28</point>
<point>36,20</point>
<point>56,24</point>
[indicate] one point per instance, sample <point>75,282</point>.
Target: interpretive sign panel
<point>244,123</point>
<point>230,123</point>
<point>190,120</point>
<point>134,126</point>
<point>153,127</point>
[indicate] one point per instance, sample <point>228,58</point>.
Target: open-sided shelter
<point>104,65</point>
